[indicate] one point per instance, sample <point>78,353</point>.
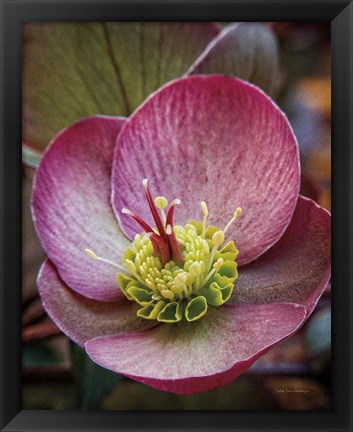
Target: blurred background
<point>295,374</point>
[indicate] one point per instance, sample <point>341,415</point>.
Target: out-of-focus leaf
<point>245,50</point>
<point>242,394</point>
<point>47,396</point>
<point>73,70</point>
<point>318,334</point>
<point>30,157</point>
<point>39,353</point>
<point>93,383</point>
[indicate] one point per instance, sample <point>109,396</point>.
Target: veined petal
<point>192,357</point>
<point>80,318</point>
<point>297,268</point>
<point>217,139</point>
<point>71,206</point>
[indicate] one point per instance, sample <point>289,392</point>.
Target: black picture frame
<point>13,14</point>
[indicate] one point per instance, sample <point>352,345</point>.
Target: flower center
<point>176,271</point>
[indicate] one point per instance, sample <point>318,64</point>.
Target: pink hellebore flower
<point>178,317</point>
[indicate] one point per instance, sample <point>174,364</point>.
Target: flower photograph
<point>176,216</point>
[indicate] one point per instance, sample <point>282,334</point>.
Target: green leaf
<point>93,383</point>
<point>30,157</point>
<point>73,70</point>
<point>38,353</point>
<point>245,50</point>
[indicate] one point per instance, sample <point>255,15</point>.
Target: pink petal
<point>71,206</point>
<point>297,268</point>
<point>246,50</point>
<point>217,139</point>
<point>193,357</point>
<point>80,318</point>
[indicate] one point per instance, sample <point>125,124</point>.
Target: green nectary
<point>180,290</point>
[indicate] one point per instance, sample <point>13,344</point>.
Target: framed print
<point>174,247</point>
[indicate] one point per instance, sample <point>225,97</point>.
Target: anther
<point>130,266</point>
<point>238,212</point>
<point>195,269</point>
<point>205,214</point>
<point>91,254</point>
<point>180,279</point>
<point>216,266</point>
<point>167,294</point>
<point>218,238</point>
<point>161,203</point>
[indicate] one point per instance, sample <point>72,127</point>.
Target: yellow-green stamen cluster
<point>175,272</point>
<point>174,291</point>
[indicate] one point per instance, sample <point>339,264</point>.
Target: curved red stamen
<point>154,211</point>
<point>170,215</point>
<point>163,248</point>
<point>175,247</point>
<point>165,243</point>
<point>172,240</point>
<point>140,221</point>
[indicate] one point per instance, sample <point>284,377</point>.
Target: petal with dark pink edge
<point>217,139</point>
<point>188,358</point>
<point>297,268</point>
<point>80,318</point>
<point>71,206</point>
<point>246,50</point>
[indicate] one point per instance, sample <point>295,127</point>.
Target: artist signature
<point>290,390</point>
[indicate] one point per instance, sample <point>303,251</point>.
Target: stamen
<point>238,212</point>
<point>179,269</point>
<point>180,281</point>
<point>161,203</point>
<point>95,257</point>
<point>195,269</point>
<point>130,266</point>
<point>216,267</point>
<point>205,214</point>
<point>217,240</point>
